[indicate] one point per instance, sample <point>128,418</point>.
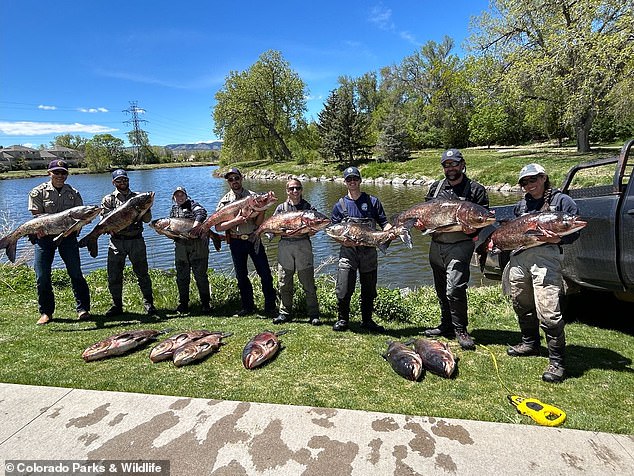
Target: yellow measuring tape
<point>541,413</point>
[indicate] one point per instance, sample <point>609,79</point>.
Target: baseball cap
<point>451,154</point>
<point>351,171</point>
<point>179,189</point>
<point>58,164</point>
<point>119,173</point>
<point>232,171</point>
<point>531,169</point>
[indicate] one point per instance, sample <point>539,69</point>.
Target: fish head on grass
<point>260,349</point>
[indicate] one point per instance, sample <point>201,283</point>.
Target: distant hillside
<point>215,145</point>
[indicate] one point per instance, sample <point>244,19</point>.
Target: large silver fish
<point>442,216</point>
<point>404,360</point>
<point>119,344</point>
<point>436,357</point>
<point>118,219</point>
<point>356,234</point>
<point>181,228</point>
<point>260,349</point>
<point>61,224</point>
<point>246,206</point>
<point>294,223</point>
<point>164,350</point>
<point>524,232</point>
<point>198,349</point>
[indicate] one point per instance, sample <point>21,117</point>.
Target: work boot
<point>315,321</point>
<point>243,313</point>
<point>150,310</point>
<point>523,349</point>
<point>555,373</point>
<point>440,331</point>
<point>372,326</point>
<point>205,308</point>
<point>182,308</point>
<point>282,319</point>
<point>465,340</point>
<point>340,325</point>
<point>83,315</point>
<point>114,311</point>
<point>44,319</point>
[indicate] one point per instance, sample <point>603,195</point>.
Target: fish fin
<point>282,332</point>
<point>269,235</point>
<point>406,237</point>
<point>257,242</point>
<point>226,334</point>
<point>216,239</point>
<point>536,232</point>
<point>409,341</point>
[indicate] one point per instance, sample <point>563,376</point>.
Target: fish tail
<point>10,246</point>
<point>406,237</point>
<point>383,247</point>
<point>89,242</point>
<point>216,239</point>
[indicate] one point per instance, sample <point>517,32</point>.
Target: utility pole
<point>137,134</point>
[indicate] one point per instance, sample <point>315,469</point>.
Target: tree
<point>565,54</point>
<point>103,150</point>
<point>260,109</point>
<point>392,144</point>
<point>342,128</point>
<point>70,141</point>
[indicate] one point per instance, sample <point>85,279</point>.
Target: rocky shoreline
<point>267,174</point>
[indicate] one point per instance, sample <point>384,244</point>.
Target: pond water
<point>401,267</point>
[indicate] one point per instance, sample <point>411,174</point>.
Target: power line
<point>138,134</point>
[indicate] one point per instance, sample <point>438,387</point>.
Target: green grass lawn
<point>318,367</point>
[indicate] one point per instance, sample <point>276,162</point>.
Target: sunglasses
<point>122,180</point>
<point>234,179</point>
<point>294,189</point>
<point>450,163</point>
<point>59,172</point>
<point>525,181</point>
<point>353,179</point>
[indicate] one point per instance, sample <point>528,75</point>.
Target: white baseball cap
<point>531,169</point>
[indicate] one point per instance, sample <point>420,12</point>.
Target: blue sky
<point>74,66</point>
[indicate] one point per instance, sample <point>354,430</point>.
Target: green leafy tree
<point>565,54</point>
<point>104,150</point>
<point>392,144</point>
<point>70,141</point>
<point>342,128</point>
<point>259,110</point>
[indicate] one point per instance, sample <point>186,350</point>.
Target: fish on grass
<point>261,348</point>
<point>198,349</point>
<point>119,344</point>
<point>164,350</point>
<point>247,206</point>
<point>436,357</point>
<point>181,228</point>
<point>118,219</point>
<point>404,360</point>
<point>356,234</point>
<point>60,224</point>
<point>443,216</point>
<point>524,231</point>
<point>295,223</point>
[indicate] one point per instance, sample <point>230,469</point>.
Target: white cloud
<point>382,17</point>
<point>406,35</point>
<point>46,108</point>
<point>92,110</point>
<point>25,128</point>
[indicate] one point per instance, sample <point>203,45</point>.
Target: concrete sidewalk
<point>218,437</point>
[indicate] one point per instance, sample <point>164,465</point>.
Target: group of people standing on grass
<point>535,273</point>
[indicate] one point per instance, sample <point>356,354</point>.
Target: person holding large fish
<point>535,277</point>
<point>127,242</point>
<point>295,254</point>
<point>52,197</point>
<point>191,256</point>
<point>239,226</point>
<point>357,207</point>
<point>450,252</point>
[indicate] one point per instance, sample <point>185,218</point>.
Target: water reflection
<point>400,267</point>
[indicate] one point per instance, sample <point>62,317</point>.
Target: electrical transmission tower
<point>138,137</point>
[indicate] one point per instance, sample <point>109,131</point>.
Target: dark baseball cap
<point>451,154</point>
<point>58,164</point>
<point>179,189</point>
<point>351,171</point>
<point>232,171</point>
<point>119,173</point>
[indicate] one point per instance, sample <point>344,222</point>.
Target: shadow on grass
<point>600,309</point>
